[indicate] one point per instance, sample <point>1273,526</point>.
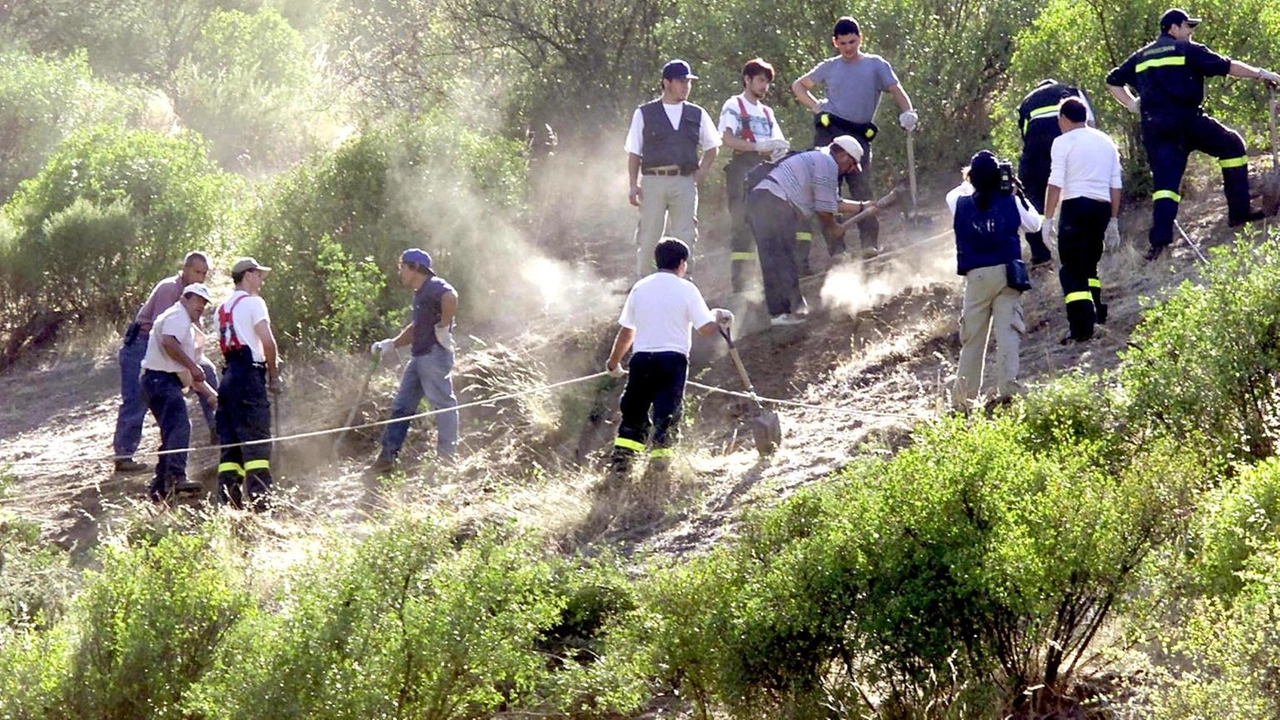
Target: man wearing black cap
<point>662,145</point>
<point>854,81</point>
<point>251,375</point>
<point>1169,77</point>
<point>429,372</point>
<point>1038,126</point>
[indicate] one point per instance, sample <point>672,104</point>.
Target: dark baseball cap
<point>1177,16</point>
<point>676,70</point>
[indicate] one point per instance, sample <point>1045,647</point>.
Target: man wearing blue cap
<point>1169,77</point>
<point>662,146</point>
<point>429,372</point>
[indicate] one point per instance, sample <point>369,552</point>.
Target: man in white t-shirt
<point>656,322</point>
<point>662,146</point>
<point>171,364</point>
<point>244,406</point>
<point>748,127</point>
<point>1084,175</point>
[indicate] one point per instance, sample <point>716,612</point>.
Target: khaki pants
<point>668,202</point>
<point>989,304</point>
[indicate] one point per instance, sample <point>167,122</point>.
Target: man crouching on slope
<point>656,320</point>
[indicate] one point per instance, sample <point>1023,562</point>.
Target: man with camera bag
<point>1085,177</point>
<point>987,219</point>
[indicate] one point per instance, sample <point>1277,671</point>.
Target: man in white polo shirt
<point>1084,176</point>
<point>656,322</point>
<point>170,365</point>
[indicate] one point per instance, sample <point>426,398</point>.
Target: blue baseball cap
<point>417,257</point>
<point>677,70</point>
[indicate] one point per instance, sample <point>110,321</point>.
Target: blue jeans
<point>162,393</point>
<point>133,410</point>
<point>429,376</point>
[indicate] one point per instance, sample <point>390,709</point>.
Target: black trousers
<point>1168,143</point>
<point>162,392</point>
<point>773,224</point>
<point>1081,231</point>
<point>1033,173</point>
<point>244,415</point>
<point>742,248</point>
<point>860,188</point>
<point>655,384</point>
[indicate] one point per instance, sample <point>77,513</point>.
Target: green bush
<point>35,577</point>
<point>1234,522</point>
<point>333,229</point>
<point>1206,363</point>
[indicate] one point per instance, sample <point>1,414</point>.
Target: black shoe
<point>1101,311</point>
<point>382,465</point>
<point>186,485</point>
<point>1041,260</point>
<point>128,466</point>
<point>1252,216</point>
<point>1154,252</point>
<point>160,492</point>
<point>1069,338</point>
<point>229,494</point>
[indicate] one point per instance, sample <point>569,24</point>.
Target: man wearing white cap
<point>244,406</point>
<point>170,365</point>
<point>807,183</point>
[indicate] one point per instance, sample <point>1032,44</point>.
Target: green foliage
<point>1207,361</point>
<point>35,578</point>
<point>243,87</point>
<point>43,100</point>
<point>1236,521</point>
<point>334,228</point>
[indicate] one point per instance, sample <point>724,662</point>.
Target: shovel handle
<point>737,363</point>
<point>883,202</point>
<point>911,166</point>
<point>1272,109</point>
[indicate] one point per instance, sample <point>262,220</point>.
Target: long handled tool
<point>766,428</point>
<point>1190,242</point>
<point>912,212</point>
<point>355,406</point>
<point>884,202</point>
<point>1271,199</point>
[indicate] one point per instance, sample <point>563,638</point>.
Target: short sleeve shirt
<point>853,88</point>
<point>808,180</point>
<point>245,317</point>
<point>663,310</point>
<point>174,322</point>
<point>759,118</point>
<point>427,313</point>
<point>708,138</point>
<point>163,295</point>
<point>1085,163</point>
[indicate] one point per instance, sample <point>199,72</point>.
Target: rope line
<point>793,403</point>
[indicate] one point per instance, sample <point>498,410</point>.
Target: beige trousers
<point>989,305</point>
<point>670,203</point>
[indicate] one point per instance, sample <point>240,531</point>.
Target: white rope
<point>793,403</point>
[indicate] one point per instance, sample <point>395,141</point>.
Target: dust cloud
<point>856,287</point>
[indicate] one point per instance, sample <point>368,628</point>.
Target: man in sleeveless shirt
<point>251,376</point>
<point>662,148</point>
<point>748,128</point>
<point>854,81</point>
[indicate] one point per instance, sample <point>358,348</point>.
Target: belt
<point>666,172</point>
<point>149,371</point>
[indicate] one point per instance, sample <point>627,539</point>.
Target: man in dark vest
<point>1169,77</point>
<point>662,145</point>
<point>1038,126</point>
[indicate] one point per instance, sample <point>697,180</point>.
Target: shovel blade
<point>766,428</point>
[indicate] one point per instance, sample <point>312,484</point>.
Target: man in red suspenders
<point>748,128</point>
<point>244,406</point>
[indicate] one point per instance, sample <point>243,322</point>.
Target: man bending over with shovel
<point>656,320</point>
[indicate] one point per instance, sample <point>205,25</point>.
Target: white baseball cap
<point>197,289</point>
<point>849,144</point>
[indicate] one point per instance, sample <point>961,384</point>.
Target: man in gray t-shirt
<point>854,81</point>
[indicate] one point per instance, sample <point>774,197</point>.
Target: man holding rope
<point>429,372</point>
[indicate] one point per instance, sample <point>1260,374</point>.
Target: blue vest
<point>986,237</point>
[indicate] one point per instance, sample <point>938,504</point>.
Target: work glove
<point>382,347</point>
<point>772,145</point>
<point>724,318</point>
<point>274,386</point>
<point>444,337</point>
<point>908,120</point>
<point>1111,241</point>
<point>1136,107</point>
<point>1050,231</point>
<point>1268,77</point>
<point>615,372</point>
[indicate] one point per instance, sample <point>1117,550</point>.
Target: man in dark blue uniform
<point>1169,77</point>
<point>1038,125</point>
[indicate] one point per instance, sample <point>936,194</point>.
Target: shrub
<point>35,577</point>
<point>1235,521</point>
<point>1207,361</point>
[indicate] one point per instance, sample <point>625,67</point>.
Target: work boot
<point>129,466</point>
<point>1154,252</point>
<point>1101,310</point>
<point>1035,261</point>
<point>160,491</point>
<point>229,494</point>
<point>384,464</point>
<point>186,485</point>
<point>1252,216</point>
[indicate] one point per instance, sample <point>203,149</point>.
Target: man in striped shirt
<point>806,182</point>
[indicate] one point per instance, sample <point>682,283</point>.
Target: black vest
<point>1038,113</point>
<point>664,145</point>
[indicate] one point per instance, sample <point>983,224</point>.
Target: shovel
<point>355,407</point>
<point>884,202</point>
<point>765,426</point>
<point>910,213</point>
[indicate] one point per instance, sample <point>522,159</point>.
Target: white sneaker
<point>803,310</point>
<point>785,319</point>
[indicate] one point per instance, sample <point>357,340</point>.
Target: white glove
<point>908,120</point>
<point>1050,230</point>
<point>444,337</point>
<point>772,145</point>
<point>1268,77</point>
<point>724,318</point>
<point>1136,107</point>
<point>1111,241</point>
<point>382,347</point>
<point>778,154</point>
<point>616,372</point>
